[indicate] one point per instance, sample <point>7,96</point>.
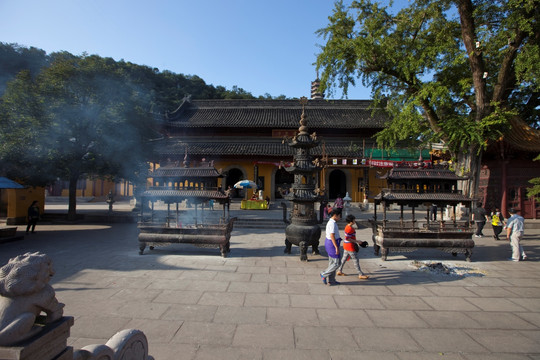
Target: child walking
<point>349,250</point>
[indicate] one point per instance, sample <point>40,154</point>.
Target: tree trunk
<point>468,164</point>
<point>72,207</point>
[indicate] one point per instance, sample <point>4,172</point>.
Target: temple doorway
<point>234,176</point>
<point>283,180</point>
<point>337,184</point>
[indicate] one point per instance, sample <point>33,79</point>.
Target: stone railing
<point>129,344</point>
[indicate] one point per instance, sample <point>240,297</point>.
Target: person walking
<point>497,221</point>
<point>434,212</point>
<point>350,250</point>
<point>514,234</point>
<point>327,210</point>
<point>339,202</point>
<point>33,216</point>
<point>331,245</point>
<point>479,217</point>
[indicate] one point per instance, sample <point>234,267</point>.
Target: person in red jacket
<point>350,250</point>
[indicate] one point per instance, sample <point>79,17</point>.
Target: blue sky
<point>260,46</point>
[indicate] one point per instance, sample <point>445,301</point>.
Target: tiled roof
<point>424,197</point>
<point>197,172</point>
<point>522,136</point>
<point>411,173</point>
<point>176,147</point>
<point>284,114</point>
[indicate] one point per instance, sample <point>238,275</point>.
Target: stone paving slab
<point>259,303</point>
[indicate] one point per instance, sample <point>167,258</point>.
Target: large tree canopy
<point>454,71</point>
<point>15,58</point>
<point>66,116</point>
<point>79,116</point>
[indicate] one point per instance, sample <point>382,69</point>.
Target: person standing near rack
<point>497,221</point>
<point>479,217</point>
<point>33,216</point>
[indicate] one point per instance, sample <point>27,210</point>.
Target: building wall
<point>356,178</point>
<point>19,200</point>
<point>265,171</point>
<point>518,174</point>
<point>101,187</point>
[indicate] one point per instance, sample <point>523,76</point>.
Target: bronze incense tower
<point>303,230</point>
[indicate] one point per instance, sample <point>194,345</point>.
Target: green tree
<point>80,116</point>
<point>20,145</point>
<point>453,71</point>
<point>15,58</point>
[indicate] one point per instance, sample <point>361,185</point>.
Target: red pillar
<point>504,190</point>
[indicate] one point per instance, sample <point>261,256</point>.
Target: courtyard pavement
<point>259,303</point>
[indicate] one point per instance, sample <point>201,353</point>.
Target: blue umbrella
<point>6,183</point>
<point>245,184</point>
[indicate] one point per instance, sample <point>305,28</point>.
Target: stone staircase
<point>247,223</point>
<point>259,223</point>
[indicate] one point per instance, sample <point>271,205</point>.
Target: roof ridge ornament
<point>303,129</point>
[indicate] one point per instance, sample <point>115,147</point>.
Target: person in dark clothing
<point>33,216</point>
<point>479,216</point>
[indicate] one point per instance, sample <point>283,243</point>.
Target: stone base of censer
<point>303,236</point>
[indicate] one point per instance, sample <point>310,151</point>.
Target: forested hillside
<point>168,88</point>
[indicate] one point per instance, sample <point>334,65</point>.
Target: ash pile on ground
<point>446,269</point>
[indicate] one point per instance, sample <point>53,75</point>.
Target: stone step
<point>259,223</point>
<point>264,224</point>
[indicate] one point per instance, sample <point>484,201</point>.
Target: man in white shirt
<point>331,245</point>
<point>514,233</point>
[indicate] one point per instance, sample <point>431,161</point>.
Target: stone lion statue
<point>25,294</point>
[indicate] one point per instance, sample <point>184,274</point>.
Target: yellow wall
<point>268,172</point>
<point>375,184</point>
<point>353,174</point>
<point>100,187</point>
<point>265,170</point>
<point>20,199</point>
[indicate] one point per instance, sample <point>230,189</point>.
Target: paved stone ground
<point>262,304</point>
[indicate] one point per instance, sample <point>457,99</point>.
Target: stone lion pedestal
<point>32,325</point>
<point>49,344</point>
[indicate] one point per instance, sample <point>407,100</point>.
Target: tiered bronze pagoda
<point>303,230</point>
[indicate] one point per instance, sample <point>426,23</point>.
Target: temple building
<point>245,139</point>
<point>507,167</point>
